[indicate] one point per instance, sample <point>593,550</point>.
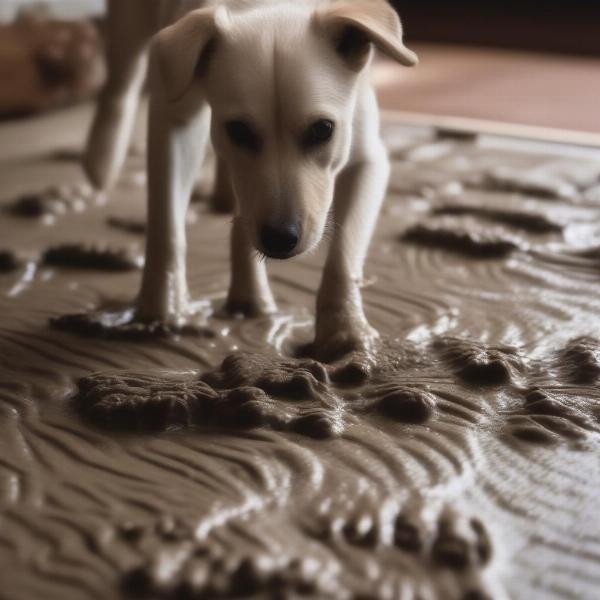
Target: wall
<point>67,9</point>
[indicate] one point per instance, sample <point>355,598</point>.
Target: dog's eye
<point>319,132</point>
<point>241,134</point>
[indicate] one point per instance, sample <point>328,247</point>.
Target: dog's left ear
<point>355,24</point>
<point>182,50</point>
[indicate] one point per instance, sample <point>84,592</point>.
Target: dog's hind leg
<point>129,29</point>
<point>341,325</point>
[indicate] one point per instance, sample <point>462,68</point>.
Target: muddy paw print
<point>122,323</point>
<point>195,571</point>
<point>273,374</point>
<point>348,519</point>
<point>454,553</point>
<point>56,201</point>
<point>294,394</point>
<point>579,361</point>
<point>548,416</point>
<point>447,234</point>
<point>146,401</point>
<point>247,407</point>
<point>287,395</point>
<point>436,554</point>
<point>461,543</point>
<point>94,256</point>
<point>478,364</point>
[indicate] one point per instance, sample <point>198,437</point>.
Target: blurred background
<point>527,62</point>
<point>535,62</point>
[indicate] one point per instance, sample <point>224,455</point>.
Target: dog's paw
<point>339,340</point>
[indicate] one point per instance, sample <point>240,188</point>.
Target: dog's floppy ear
<point>355,24</point>
<point>182,49</point>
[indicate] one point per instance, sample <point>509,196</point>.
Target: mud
<point>9,261</point>
<point>129,225</point>
<point>529,184</point>
<point>534,223</point>
<point>449,235</point>
<point>457,461</point>
<point>120,323</point>
<point>54,201</point>
<point>93,256</point>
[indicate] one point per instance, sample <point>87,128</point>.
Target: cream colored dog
<point>282,89</point>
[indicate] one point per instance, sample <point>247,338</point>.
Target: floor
<point>460,461</point>
<point>542,90</point>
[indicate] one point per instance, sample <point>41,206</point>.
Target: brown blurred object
<point>47,63</point>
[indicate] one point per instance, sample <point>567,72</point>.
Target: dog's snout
<point>279,241</point>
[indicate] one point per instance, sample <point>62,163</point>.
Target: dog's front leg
<point>177,138</point>
<point>249,291</point>
<point>341,325</point>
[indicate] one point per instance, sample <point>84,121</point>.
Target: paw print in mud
<point>552,415</point>
<point>562,402</point>
<point>175,564</point>
<point>298,395</point>
<point>430,550</point>
<point>478,364</point>
<point>247,390</point>
<point>400,385</point>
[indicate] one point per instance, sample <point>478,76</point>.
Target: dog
<point>282,90</point>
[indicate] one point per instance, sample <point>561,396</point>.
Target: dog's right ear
<point>182,50</point>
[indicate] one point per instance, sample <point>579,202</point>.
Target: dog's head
<point>281,79</point>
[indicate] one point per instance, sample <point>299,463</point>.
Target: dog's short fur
<point>282,88</point>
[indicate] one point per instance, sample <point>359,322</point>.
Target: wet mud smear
<point>534,223</point>
<point>257,390</point>
<point>92,256</point>
<point>9,261</point>
<point>455,546</point>
<point>137,226</point>
<point>529,183</point>
<point>121,324</point>
<point>579,361</point>
<point>476,244</point>
<point>458,461</point>
<point>321,400</point>
<point>54,201</point>
<point>555,414</point>
<point>478,364</point>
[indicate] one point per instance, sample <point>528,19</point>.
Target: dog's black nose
<point>278,241</point>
